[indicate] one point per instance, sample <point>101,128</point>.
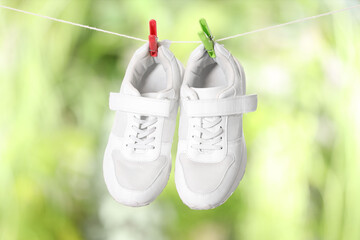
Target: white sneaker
<point>211,155</point>
<point>137,159</point>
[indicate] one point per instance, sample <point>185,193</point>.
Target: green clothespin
<point>206,38</point>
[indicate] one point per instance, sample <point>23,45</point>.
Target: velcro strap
<point>220,107</point>
<point>141,105</point>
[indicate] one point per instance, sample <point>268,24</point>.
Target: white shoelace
<point>143,127</point>
<point>208,139</point>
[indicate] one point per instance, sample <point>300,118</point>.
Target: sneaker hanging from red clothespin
<point>153,46</point>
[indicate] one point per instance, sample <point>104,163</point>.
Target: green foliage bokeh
<point>302,178</point>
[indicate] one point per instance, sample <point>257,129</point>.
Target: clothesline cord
<point>291,22</point>
<point>218,40</point>
<point>74,24</point>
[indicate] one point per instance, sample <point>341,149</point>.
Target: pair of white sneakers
<point>211,155</point>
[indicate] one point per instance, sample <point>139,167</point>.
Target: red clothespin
<point>153,47</point>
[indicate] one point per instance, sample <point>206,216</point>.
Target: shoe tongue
<point>130,90</point>
<point>170,94</point>
<point>209,93</point>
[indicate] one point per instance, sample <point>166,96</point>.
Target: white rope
<point>74,24</point>
<point>288,23</point>
<point>219,40</point>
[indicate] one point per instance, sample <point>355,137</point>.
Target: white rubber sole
<point>128,197</point>
<point>196,201</point>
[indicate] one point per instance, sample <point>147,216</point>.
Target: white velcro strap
<point>220,107</point>
<point>141,105</point>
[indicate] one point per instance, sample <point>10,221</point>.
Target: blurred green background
<point>303,174</point>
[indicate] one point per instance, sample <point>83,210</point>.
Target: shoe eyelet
<point>221,148</point>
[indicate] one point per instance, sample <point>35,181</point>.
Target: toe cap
<point>137,175</point>
<point>204,177</point>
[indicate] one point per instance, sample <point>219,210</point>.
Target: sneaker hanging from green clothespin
<point>206,38</point>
